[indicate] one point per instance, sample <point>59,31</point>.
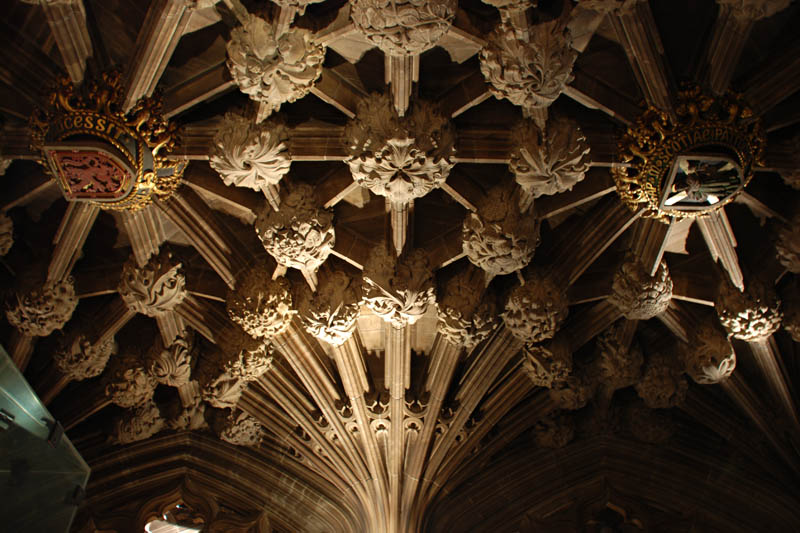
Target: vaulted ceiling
<point>396,289</point>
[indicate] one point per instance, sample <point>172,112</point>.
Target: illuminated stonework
<point>330,313</point>
<point>403,27</point>
<point>172,365</point>
<point>547,364</point>
<point>237,428</point>
<point>751,315</point>
<point>536,310</point>
<point>79,359</point>
<point>466,317</point>
<point>262,306</point>
<point>691,165</point>
<point>638,295</point>
<point>709,356</point>
<point>242,357</point>
<point>155,288</point>
<point>40,312</point>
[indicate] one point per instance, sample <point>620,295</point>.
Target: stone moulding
<point>273,69</point>
<point>300,235</point>
<point>529,73</point>
<point>536,310</point>
<point>400,158</point>
<point>330,313</point>
<point>250,155</point>
<point>40,312</point>
<point>638,295</point>
<point>155,288</point>
<point>548,162</point>
<point>242,357</point>
<point>262,306</point>
<point>80,359</point>
<point>403,27</point>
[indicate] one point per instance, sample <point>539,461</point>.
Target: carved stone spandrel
<point>534,311</point>
<point>548,161</point>
<point>255,156</point>
<point>262,306</point>
<point>78,358</point>
<point>403,27</point>
<point>138,423</point>
<point>708,356</point>
<point>273,69</point>
<point>547,364</point>
<point>172,365</point>
<point>301,234</point>
<point>155,288</point>
<point>127,381</point>
<point>41,311</point>
<point>498,238</point>
<point>662,384</point>
<point>637,294</point>
<point>751,315</point>
<point>6,233</point>
<point>529,73</point>
<point>330,313</point>
<point>400,158</point>
<point>235,427</point>
<point>467,314</point>
<point>398,289</point>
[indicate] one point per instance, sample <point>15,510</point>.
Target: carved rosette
<point>638,295</point>
<point>330,314</point>
<point>709,355</point>
<point>400,158</point>
<point>242,357</point>
<point>662,384</point>
<point>403,27</point>
<point>754,9</point>
<point>788,245</point>
<point>172,365</point>
<point>548,162</point>
<point>619,364</point>
<point>40,312</point>
<point>536,310</point>
<point>554,431</point>
<point>128,384</point>
<point>398,290</point>
<point>300,235</point>
<point>155,288</point>
<point>498,238</point>
<point>529,73</point>
<point>262,306</point>
<point>752,315</point>
<point>6,234</point>
<point>237,428</point>
<point>273,69</point>
<point>466,316</point>
<point>139,423</point>
<point>79,359</point>
<point>250,155</point>
<point>547,364</point>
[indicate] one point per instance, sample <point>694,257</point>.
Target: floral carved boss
<point>155,288</point>
<point>40,312</point>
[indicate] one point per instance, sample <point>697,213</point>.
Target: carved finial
<point>251,155</point>
<point>401,158</point>
<point>466,314</point>
<point>398,290</point>
<point>751,315</point>
<point>262,306</point>
<point>79,359</point>
<point>273,69</point>
<point>548,161</point>
<point>300,235</point>
<point>548,364</point>
<point>403,27</point>
<point>529,73</point>
<point>40,312</point>
<point>709,357</point>
<point>236,428</point>
<point>6,234</point>
<point>663,384</point>
<point>536,310</point>
<point>498,239</point>
<point>788,244</point>
<point>330,314</point>
<point>619,363</point>
<point>172,365</point>
<point>128,384</point>
<point>637,294</point>
<point>555,431</point>
<point>155,288</point>
<point>138,423</point>
<point>754,9</point>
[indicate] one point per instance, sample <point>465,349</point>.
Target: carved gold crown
<point>101,154</point>
<point>704,129</point>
